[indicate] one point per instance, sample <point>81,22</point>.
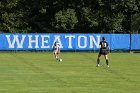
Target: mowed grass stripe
<point>39,72</point>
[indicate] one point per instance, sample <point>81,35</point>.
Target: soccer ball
<point>60,59</point>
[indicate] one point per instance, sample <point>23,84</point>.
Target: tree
<point>12,18</point>
<point>65,20</point>
<point>82,16</point>
<point>135,23</point>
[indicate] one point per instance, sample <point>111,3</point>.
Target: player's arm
<point>108,48</point>
<point>100,45</point>
<point>53,48</point>
<point>58,50</point>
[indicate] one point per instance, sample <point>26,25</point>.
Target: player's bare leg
<point>56,55</point>
<point>98,60</point>
<point>106,58</point>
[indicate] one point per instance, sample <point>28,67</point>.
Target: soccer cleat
<point>97,65</point>
<point>60,60</point>
<point>107,65</point>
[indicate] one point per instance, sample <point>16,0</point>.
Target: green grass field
<point>39,72</point>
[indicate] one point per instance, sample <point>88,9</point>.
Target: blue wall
<point>135,42</point>
<point>67,41</point>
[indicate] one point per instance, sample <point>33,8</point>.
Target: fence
<point>68,41</point>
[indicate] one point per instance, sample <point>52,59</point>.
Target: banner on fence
<point>66,41</point>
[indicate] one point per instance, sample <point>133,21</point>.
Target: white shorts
<point>56,51</point>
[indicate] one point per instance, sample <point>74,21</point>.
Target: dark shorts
<point>103,52</point>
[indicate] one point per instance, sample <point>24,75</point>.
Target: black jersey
<point>104,45</point>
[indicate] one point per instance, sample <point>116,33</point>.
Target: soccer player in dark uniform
<point>104,50</point>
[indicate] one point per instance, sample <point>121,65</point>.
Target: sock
<point>107,62</point>
<point>56,57</point>
<point>98,61</point>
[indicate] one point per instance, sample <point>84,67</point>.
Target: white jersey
<point>56,49</point>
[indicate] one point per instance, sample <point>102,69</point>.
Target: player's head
<point>55,43</point>
<point>103,38</point>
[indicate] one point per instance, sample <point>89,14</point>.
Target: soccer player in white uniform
<point>56,51</point>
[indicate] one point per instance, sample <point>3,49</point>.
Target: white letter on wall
<point>45,41</point>
<point>33,41</point>
<point>84,42</point>
<point>57,39</point>
<point>70,40</point>
<point>93,41</point>
<point>15,40</point>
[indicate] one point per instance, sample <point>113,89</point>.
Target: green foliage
<point>46,16</point>
<point>12,19</point>
<point>88,17</point>
<point>117,23</point>
<point>65,20</point>
<point>136,23</point>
